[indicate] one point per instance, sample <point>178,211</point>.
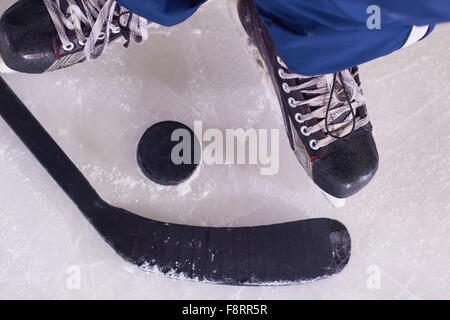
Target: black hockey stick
<point>277,254</point>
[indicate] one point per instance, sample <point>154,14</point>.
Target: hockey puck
<point>168,153</point>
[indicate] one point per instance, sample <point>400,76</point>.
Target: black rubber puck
<point>165,161</point>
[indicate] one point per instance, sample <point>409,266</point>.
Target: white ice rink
<point>202,70</point>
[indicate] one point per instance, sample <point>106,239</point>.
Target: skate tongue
<point>307,96</point>
<point>338,94</point>
<point>69,10</point>
<point>65,7</point>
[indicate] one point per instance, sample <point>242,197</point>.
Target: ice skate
<point>38,36</point>
<point>325,117</point>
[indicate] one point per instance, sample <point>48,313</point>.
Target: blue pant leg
<point>164,12</point>
<point>325,36</point>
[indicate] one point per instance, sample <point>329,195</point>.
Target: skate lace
<point>97,15</point>
<point>333,101</point>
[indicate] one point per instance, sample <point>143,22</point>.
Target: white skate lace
<point>98,17</point>
<point>336,98</point>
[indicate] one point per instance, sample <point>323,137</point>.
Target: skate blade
<point>335,202</point>
<point>3,67</point>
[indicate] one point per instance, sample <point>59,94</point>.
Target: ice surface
<point>202,70</point>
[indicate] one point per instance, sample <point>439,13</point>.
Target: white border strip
<point>417,33</point>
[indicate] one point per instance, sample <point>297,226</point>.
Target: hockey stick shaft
<point>46,150</point>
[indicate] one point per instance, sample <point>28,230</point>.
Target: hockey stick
<point>277,254</point>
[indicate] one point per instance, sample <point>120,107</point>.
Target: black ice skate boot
<point>38,36</point>
<point>325,116</point>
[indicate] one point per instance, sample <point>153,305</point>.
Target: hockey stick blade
<point>279,254</point>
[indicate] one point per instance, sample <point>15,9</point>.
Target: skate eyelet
<point>299,118</point>
<point>292,102</point>
<point>281,73</point>
<point>305,131</point>
<point>68,47</point>
<point>101,36</point>
<point>280,61</point>
<point>82,42</point>
<point>313,145</point>
<point>286,87</point>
